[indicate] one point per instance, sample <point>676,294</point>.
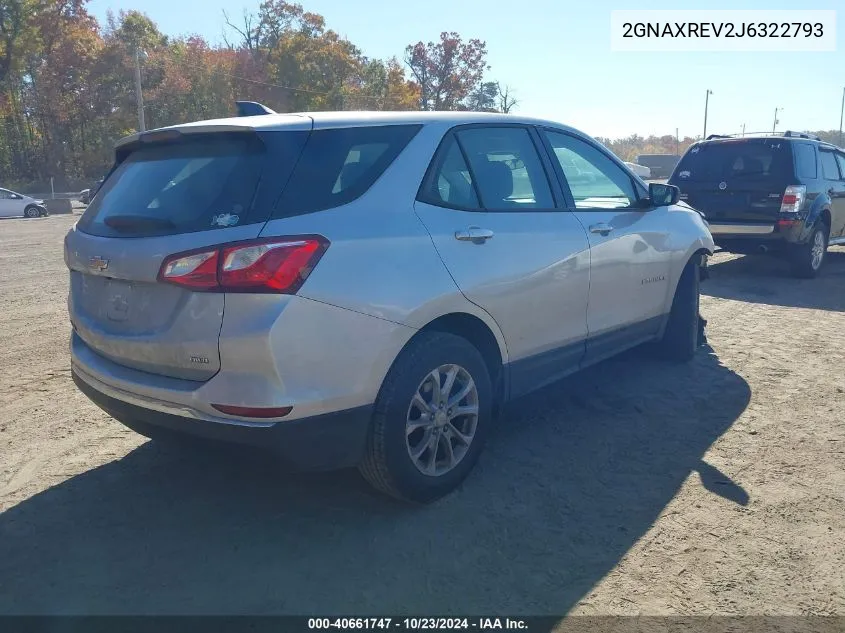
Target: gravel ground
<point>635,487</point>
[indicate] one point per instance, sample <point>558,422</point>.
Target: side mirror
<point>663,195</point>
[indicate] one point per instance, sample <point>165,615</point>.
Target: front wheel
<point>681,337</point>
<point>431,419</point>
<point>31,212</point>
<point>807,259</point>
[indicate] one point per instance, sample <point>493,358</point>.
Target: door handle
<point>474,234</point>
<point>602,227</point>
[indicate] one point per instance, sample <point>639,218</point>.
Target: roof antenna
<point>252,108</point>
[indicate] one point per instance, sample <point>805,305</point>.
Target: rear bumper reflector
<point>253,412</point>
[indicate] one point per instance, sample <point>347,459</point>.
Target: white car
<point>641,170</point>
<point>16,204</point>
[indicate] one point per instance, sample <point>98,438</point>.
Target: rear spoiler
<point>252,108</point>
<point>245,108</point>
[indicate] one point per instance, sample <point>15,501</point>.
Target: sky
<point>556,55</point>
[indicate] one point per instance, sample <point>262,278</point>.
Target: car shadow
<point>571,478</point>
<point>768,280</point>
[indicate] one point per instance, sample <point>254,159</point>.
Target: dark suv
<point>780,194</point>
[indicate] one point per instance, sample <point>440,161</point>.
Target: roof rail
<point>252,108</point>
<point>787,134</point>
<point>802,135</point>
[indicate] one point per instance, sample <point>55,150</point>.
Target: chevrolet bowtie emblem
<point>98,263</point>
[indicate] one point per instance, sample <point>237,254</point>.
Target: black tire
<point>802,257</point>
<point>31,212</point>
<point>387,464</point>
<point>681,338</point>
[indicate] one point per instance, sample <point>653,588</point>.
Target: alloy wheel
<point>442,420</point>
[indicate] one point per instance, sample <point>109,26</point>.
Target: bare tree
<point>249,32</point>
<point>505,97</point>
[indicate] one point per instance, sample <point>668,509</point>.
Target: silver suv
<point>367,289</point>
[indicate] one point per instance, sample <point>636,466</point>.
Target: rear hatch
<point>736,180</point>
<point>170,192</point>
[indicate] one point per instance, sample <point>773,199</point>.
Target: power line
<point>266,83</point>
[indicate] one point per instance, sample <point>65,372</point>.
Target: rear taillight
<point>274,266</point>
<point>792,199</point>
<point>278,265</point>
<point>193,270</point>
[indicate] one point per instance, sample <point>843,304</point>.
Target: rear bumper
<point>741,230</point>
<point>298,353</point>
<point>750,238</point>
<point>324,442</point>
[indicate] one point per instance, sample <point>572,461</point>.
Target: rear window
<point>729,160</point>
<point>339,165</point>
<point>193,184</point>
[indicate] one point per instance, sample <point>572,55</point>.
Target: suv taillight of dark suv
<point>768,194</point>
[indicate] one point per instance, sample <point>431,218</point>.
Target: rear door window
<point>805,161</point>
<point>450,183</point>
<point>339,165</point>
<point>193,184</point>
<point>840,159</point>
<point>767,160</point>
<point>830,171</point>
<point>507,169</point>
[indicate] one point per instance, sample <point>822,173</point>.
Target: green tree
<point>447,70</point>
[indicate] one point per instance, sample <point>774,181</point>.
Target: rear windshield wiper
<point>137,223</point>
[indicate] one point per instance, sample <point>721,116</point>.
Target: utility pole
<point>774,125</point>
<point>139,97</point>
<point>841,113</point>
<point>706,104</point>
<point>677,143</point>
<point>743,130</point>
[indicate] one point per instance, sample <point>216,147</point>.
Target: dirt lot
<point>634,488</point>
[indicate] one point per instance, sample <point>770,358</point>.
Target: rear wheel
<point>31,212</point>
<point>431,419</point>
<point>681,337</point>
<point>807,259</point>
